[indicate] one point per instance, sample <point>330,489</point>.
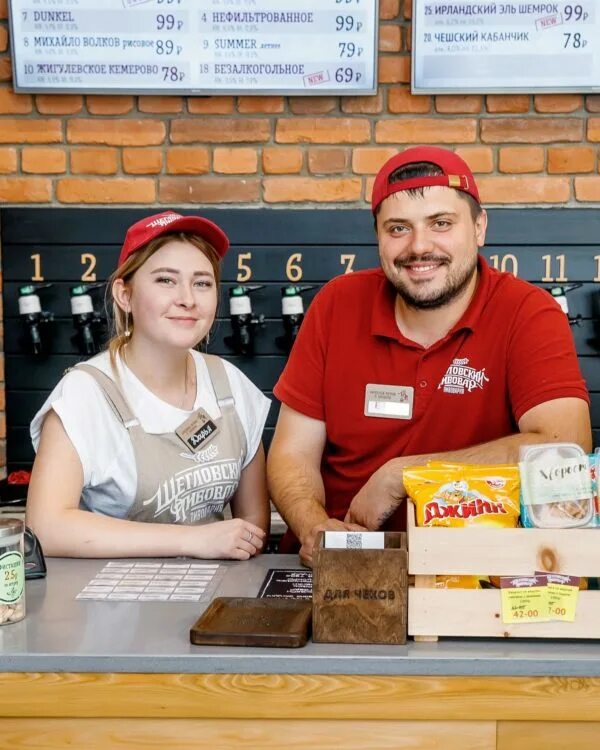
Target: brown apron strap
<point>113,395</point>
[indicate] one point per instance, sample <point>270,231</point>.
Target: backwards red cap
<point>140,233</point>
<point>456,173</point>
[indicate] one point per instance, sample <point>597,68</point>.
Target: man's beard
<point>456,283</point>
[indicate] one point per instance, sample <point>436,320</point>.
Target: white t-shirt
<point>103,443</point>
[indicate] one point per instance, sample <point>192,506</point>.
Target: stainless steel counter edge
<point>63,634</point>
<point>327,665</point>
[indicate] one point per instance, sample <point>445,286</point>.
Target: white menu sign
<point>195,46</point>
<point>515,46</point>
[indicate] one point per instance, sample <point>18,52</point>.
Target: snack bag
<point>447,494</point>
<point>461,582</point>
<point>458,495</point>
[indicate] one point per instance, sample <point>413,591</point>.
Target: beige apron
<point>175,485</point>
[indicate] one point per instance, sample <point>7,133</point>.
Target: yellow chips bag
<point>447,494</point>
<point>459,495</point>
<point>460,582</point>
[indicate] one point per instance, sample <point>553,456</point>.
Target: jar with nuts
<point>12,571</point>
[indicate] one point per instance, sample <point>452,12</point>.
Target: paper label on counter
<point>524,599</point>
<point>354,540</point>
<point>147,582</point>
<point>281,583</point>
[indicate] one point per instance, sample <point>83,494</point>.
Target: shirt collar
<point>383,316</point>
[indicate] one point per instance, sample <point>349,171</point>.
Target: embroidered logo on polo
<point>461,378</point>
<point>198,492</point>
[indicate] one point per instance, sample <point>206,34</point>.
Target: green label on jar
<point>12,577</point>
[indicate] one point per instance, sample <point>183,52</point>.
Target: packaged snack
<point>462,582</point>
<point>448,494</point>
<point>459,495</point>
<point>594,461</point>
<point>556,486</point>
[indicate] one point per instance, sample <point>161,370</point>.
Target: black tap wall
<point>271,247</point>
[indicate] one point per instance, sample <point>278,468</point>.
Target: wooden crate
<point>494,551</point>
<point>359,595</point>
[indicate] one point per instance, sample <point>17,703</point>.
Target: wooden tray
<point>243,621</point>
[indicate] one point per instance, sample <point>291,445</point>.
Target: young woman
<point>141,449</point>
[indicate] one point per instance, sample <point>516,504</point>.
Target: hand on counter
<point>331,524</point>
<point>379,497</point>
<point>235,539</point>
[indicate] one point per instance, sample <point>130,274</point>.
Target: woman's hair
<point>126,272</point>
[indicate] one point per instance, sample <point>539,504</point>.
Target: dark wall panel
<point>273,247</point>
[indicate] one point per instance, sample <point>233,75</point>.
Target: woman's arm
<point>64,530</point>
<point>251,500</point>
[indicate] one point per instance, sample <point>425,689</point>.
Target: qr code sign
<point>354,541</point>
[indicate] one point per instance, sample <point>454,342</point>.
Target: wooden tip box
<point>360,595</point>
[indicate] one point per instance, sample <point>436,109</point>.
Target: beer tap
<point>243,322</point>
<point>34,318</point>
<point>88,322</point>
<point>560,295</point>
<point>292,314</point>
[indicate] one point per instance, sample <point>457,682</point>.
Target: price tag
<point>563,592</point>
<point>524,599</point>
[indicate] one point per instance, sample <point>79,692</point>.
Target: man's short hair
<point>426,169</point>
<point>424,166</point>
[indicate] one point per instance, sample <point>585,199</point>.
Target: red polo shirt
<point>511,350</point>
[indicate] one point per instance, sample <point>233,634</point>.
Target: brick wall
<point>296,151</point>
<point>274,150</point>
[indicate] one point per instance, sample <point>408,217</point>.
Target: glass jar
<point>12,571</point>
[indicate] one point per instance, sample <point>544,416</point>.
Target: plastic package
<point>556,486</point>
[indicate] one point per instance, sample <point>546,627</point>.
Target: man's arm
<point>294,477</point>
<point>563,420</point>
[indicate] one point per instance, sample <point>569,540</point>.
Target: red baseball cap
<point>140,233</point>
<point>456,173</point>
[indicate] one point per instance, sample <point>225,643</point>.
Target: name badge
<point>197,431</point>
<point>389,401</point>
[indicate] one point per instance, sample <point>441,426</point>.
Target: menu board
<point>483,46</point>
<point>195,46</point>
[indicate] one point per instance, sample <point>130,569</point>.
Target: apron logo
<point>202,457</point>
<point>460,378</point>
<point>198,492</point>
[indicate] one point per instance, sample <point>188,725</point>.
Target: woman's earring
<point>127,331</point>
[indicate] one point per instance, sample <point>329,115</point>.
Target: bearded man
<point>433,356</point>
